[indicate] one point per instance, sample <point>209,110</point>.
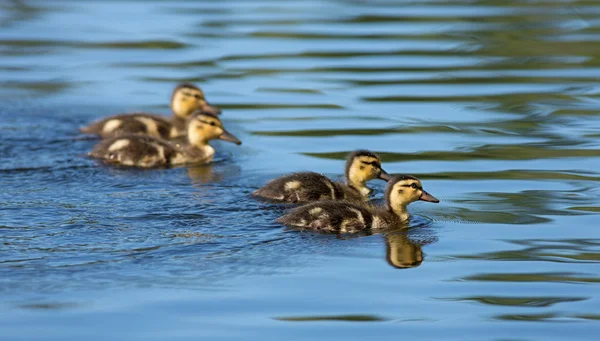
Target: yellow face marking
<point>119,144</point>
<point>404,193</point>
<point>111,125</point>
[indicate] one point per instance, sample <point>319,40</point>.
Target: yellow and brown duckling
<point>146,151</point>
<point>186,99</point>
<point>361,166</point>
<point>347,217</point>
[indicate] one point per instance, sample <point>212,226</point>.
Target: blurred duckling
<point>347,217</point>
<point>186,98</point>
<point>146,151</point>
<point>361,166</point>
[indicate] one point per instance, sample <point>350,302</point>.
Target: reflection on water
<point>492,103</point>
<point>347,318</point>
<point>401,252</point>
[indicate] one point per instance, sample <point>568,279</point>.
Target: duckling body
<point>186,99</point>
<point>352,217</point>
<point>136,123</point>
<point>302,187</point>
<point>305,187</point>
<point>147,151</point>
<point>140,151</point>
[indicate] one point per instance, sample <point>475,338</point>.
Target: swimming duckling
<point>346,217</point>
<point>147,151</point>
<point>186,98</point>
<point>361,166</point>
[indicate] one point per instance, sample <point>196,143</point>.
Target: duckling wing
<point>299,187</point>
<point>330,216</point>
<point>135,150</point>
<point>125,124</point>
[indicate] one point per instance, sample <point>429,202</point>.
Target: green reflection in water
<point>147,44</point>
<point>516,174</point>
<point>485,152</point>
<point>527,317</point>
<point>519,301</point>
<point>558,251</point>
<point>341,132</point>
<point>43,87</point>
<point>546,317</point>
<point>585,208</point>
<point>347,318</point>
<point>565,277</point>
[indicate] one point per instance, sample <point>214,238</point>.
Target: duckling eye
<point>213,124</point>
<point>197,96</point>
<point>414,186</point>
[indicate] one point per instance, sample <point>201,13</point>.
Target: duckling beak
<point>428,197</point>
<point>383,175</point>
<point>211,109</point>
<point>227,136</point>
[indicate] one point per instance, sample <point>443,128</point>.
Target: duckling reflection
<point>186,99</point>
<point>401,252</point>
<point>216,171</point>
<point>202,173</point>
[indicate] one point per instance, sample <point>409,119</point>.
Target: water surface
<point>492,103</point>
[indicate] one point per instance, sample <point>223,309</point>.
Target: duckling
<point>186,98</point>
<point>347,217</point>
<point>146,151</point>
<point>361,166</point>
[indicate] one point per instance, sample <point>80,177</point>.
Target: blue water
<point>493,104</point>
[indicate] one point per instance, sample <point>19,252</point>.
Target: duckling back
<point>127,124</point>
<point>331,216</point>
<point>302,187</point>
<point>136,150</point>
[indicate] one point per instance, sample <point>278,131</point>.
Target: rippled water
<point>492,103</point>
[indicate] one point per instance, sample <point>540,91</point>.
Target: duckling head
<point>403,190</point>
<point>362,166</point>
<point>187,98</point>
<point>202,127</point>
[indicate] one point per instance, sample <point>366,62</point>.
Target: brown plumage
<point>186,98</point>
<point>351,217</point>
<point>147,151</point>
<point>300,187</point>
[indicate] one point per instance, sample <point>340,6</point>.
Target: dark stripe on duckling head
<point>199,115</point>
